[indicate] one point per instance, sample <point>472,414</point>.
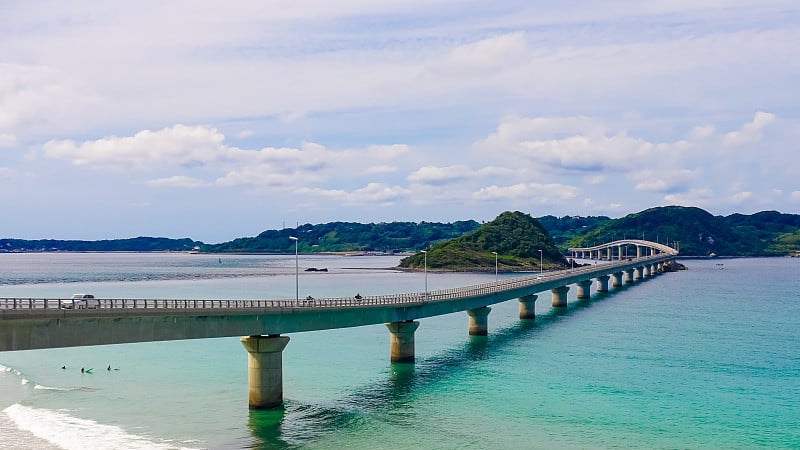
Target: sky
<point>216,120</point>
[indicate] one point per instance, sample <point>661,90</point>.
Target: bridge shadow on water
<point>392,399</point>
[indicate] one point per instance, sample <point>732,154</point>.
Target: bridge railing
<point>501,285</point>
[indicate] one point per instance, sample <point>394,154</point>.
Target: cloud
<point>178,181</point>
<point>694,197</point>
<point>741,197</point>
<point>795,196</point>
<point>751,132</point>
<point>6,172</point>
<point>438,176</point>
<point>537,193</point>
<point>372,193</point>
<point>664,181</point>
<point>179,145</point>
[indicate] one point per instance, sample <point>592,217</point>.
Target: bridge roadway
<point>30,323</point>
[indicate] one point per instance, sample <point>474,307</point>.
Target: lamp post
<point>296,273</point>
<point>495,267</point>
<point>541,262</point>
<point>425,252</point>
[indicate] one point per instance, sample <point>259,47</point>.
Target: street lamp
<point>296,273</point>
<point>495,267</point>
<point>541,262</point>
<point>425,252</point>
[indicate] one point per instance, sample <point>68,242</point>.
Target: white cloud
<point>741,197</point>
<point>179,145</point>
<point>536,193</point>
<point>664,181</point>
<point>5,172</point>
<point>178,181</point>
<point>372,193</point>
<point>694,197</point>
<point>795,196</point>
<point>750,132</point>
<point>440,175</point>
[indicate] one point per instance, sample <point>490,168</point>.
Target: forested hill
<point>139,244</point>
<point>348,237</point>
<point>517,239</point>
<point>695,231</point>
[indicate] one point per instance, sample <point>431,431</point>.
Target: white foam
<point>68,432</point>
<point>49,388</point>
<point>25,381</point>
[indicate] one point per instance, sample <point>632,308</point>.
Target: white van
<point>81,301</point>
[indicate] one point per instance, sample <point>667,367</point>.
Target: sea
<point>708,357</point>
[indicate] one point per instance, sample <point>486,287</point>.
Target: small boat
<point>314,269</point>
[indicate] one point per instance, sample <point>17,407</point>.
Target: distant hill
<point>139,244</point>
<point>696,232</point>
<point>348,237</point>
<point>516,237</point>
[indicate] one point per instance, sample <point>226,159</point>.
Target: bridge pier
<point>602,283</point>
<point>560,296</point>
<point>628,276</point>
<point>265,370</point>
<point>617,279</point>
<point>646,270</point>
<point>653,270</point>
<point>401,341</point>
<point>584,289</point>
<point>479,321</point>
<point>527,304</point>
<point>637,273</point>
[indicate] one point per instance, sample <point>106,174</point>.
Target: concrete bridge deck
<point>37,323</point>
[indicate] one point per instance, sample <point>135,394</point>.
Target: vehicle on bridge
<point>81,301</point>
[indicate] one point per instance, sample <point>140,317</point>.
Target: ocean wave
<point>25,381</point>
<point>50,388</point>
<point>68,432</point>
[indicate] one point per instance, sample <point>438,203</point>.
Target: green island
<point>516,237</point>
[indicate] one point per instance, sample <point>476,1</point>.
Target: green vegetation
<point>516,237</point>
<point>697,233</point>
<point>348,237</point>
<point>139,244</point>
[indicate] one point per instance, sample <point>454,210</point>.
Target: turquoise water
<point>704,358</point>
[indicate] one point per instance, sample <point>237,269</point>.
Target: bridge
<point>37,323</point>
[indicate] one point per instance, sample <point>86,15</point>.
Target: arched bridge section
<point>619,250</point>
<point>28,323</point>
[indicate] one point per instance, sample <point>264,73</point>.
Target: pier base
<point>617,279</point>
<point>638,273</point>
<point>584,289</point>
<point>560,296</point>
<point>401,341</point>
<point>265,370</point>
<point>628,276</point>
<point>527,306</point>
<point>479,321</point>
<point>602,283</point>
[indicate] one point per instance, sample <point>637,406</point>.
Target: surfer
<point>64,367</point>
<point>109,368</point>
<point>83,370</point>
